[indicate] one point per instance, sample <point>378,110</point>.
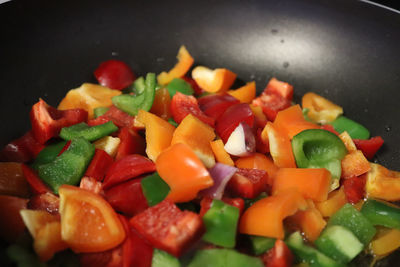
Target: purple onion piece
<point>221,174</point>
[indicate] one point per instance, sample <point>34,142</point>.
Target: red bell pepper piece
<point>47,121</point>
<point>126,168</point>
<point>108,258</point>
<point>354,188</point>
<point>114,114</point>
<point>99,165</point>
<point>330,128</point>
<point>65,147</point>
<point>182,105</point>
<point>131,143</point>
<point>205,204</point>
<point>278,256</point>
<point>261,145</point>
<point>127,197</point>
<point>215,105</point>
<point>231,118</point>
<point>135,249</point>
<point>369,147</point>
<point>23,149</point>
<point>91,184</point>
<point>37,185</point>
<point>114,74</point>
<point>194,85</point>
<point>271,104</point>
<point>283,89</point>
<point>168,228</point>
<point>248,183</point>
<point>47,201</point>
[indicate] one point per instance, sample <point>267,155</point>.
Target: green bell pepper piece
<point>70,166</point>
<point>355,221</point>
<point>179,85</point>
<point>308,254</point>
<point>173,122</point>
<point>90,133</point>
<point>223,258</point>
<point>154,189</point>
<point>248,202</point>
<point>380,213</point>
<point>48,154</point>
<point>131,104</point>
<point>221,224</point>
<point>139,85</point>
<point>354,129</point>
<point>164,259</point>
<point>317,148</point>
<point>339,243</point>
<point>100,111</point>
<point>261,244</point>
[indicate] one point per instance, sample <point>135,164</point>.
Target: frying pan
<point>344,50</point>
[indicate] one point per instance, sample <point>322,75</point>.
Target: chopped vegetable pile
<point>180,170</point>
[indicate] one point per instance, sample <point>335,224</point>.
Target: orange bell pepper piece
<point>311,183</point>
<point>244,94</point>
<point>197,135</point>
<point>310,221</point>
<point>280,146</point>
<point>292,121</point>
<point>220,153</point>
<point>385,242</point>
<point>183,171</point>
<point>320,109</point>
<point>347,141</point>
<point>354,164</point>
<point>336,199</point>
<point>162,101</point>
<point>185,61</point>
<point>258,161</point>
<point>88,222</point>
<point>383,183</point>
<point>265,217</point>
<point>88,97</point>
<point>218,80</point>
<point>158,133</point>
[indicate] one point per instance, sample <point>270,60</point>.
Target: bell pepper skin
<point>22,149</point>
<point>131,104</point>
<point>244,94</point>
<point>383,183</point>
<point>183,105</point>
<point>127,197</point>
<point>186,175</point>
<point>279,256</point>
<point>265,217</point>
<point>354,188</point>
<point>161,104</point>
<point>13,181</point>
<point>36,184</point>
<point>308,254</point>
<point>185,61</point>
<point>99,165</point>
<point>70,166</point>
<point>97,112</point>
<point>336,200</point>
<point>168,228</point>
<point>324,150</point>
<point>47,121</point>
<point>154,189</point>
<point>128,167</point>
<point>369,147</point>
<point>248,183</point>
<point>355,130</point>
<point>220,153</point>
<point>114,114</point>
<point>386,242</point>
<point>163,259</point>
<point>48,154</point>
<point>355,221</point>
<point>271,103</point>
<point>114,74</point>
<point>218,80</point>
<point>89,133</point>
<point>131,143</point>
<point>223,258</point>
<point>221,222</point>
<point>261,244</point>
<point>381,213</point>
<point>179,85</point>
<point>320,109</point>
<point>205,204</point>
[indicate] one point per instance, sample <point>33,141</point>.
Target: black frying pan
<point>347,51</point>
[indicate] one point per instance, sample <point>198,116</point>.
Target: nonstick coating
<point>347,51</point>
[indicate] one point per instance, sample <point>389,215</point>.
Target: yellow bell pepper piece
<point>320,109</point>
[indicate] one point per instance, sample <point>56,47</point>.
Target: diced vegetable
<point>218,80</point>
<point>383,183</point>
<point>223,258</point>
<point>320,109</point>
<point>261,244</point>
<point>244,94</point>
<point>163,259</point>
<point>179,85</point>
<point>114,74</point>
<point>154,189</point>
<point>89,133</point>
<point>185,61</point>
<point>355,130</point>
<point>381,213</point>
